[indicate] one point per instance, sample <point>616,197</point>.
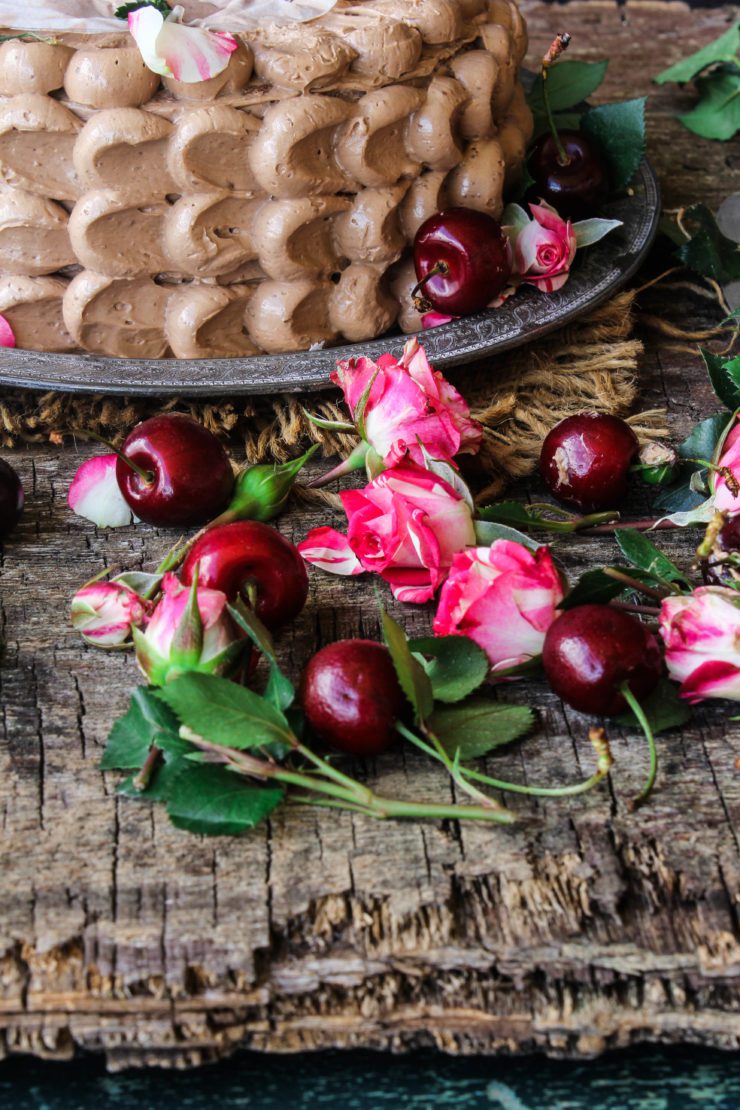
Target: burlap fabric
<point>590,364</point>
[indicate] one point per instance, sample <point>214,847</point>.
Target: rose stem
<point>376,806</point>
<point>557,47</point>
<point>619,576</point>
<point>143,778</point>
<point>436,751</point>
<point>642,610</point>
<point>639,712</point>
<point>637,525</point>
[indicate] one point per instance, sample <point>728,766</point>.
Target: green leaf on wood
<point>568,83</point>
<point>475,728</point>
<point>214,801</point>
<point>224,713</point>
<point>619,129</point>
<point>280,690</point>
<point>709,252</point>
<point>717,115</point>
<point>414,680</point>
<point>487,532</point>
<point>723,49</point>
<point>724,374</point>
<point>456,666</point>
<point>145,722</point>
<point>596,588</point>
<point>643,554</point>
<point>664,709</point>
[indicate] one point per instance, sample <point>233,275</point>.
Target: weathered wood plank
<point>585,926</point>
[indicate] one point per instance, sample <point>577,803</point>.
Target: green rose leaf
<point>596,588</point>
<point>723,49</point>
<point>568,83</point>
<point>147,721</point>
<point>724,374</point>
<point>224,713</point>
<point>619,129</point>
<point>125,10</point>
<point>512,513</point>
<point>643,554</point>
<point>717,115</point>
<point>160,782</point>
<point>207,799</point>
<point>455,665</point>
<point>414,680</point>
<point>280,690</point>
<point>664,709</point>
<point>479,726</point>
<point>487,532</point>
<point>709,252</point>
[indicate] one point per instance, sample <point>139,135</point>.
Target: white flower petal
<point>95,496</point>
<point>168,47</point>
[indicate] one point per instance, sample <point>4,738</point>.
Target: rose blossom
<point>701,634</point>
<point>504,597</point>
<point>174,642</point>
<point>724,499</point>
<point>105,612</point>
<point>543,248</point>
<point>406,525</point>
<point>409,406</point>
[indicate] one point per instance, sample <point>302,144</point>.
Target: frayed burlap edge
<point>590,364</point>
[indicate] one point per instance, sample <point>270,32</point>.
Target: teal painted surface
<point>679,1079</point>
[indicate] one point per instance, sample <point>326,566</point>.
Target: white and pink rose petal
<point>172,49</point>
<point>94,494</point>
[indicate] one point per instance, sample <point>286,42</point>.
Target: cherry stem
<point>619,576</point>
<point>638,711</point>
<point>423,304</point>
<point>143,778</point>
<point>556,49</point>
<point>146,475</point>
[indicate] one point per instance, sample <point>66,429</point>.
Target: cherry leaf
<point>619,129</point>
<point>568,83</point>
<point>456,665</point>
<point>475,728</point>
<point>709,252</point>
<point>414,680</point>
<point>723,49</point>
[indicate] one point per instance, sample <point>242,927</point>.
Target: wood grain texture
<point>583,927</point>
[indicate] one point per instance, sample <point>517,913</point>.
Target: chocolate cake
<point>267,209</point>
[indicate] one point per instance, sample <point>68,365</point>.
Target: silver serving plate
<point>598,273</point>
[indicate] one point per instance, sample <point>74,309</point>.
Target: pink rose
<point>190,630</point>
<point>409,406</point>
<point>724,499</point>
<point>406,525</point>
<point>701,634</point>
<point>504,597</point>
<point>105,612</point>
<point>543,248</point>
<point>7,338</point>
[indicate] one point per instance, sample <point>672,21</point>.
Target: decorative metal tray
<point>596,276</point>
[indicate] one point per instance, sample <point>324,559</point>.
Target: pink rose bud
<point>701,634</point>
<point>544,249</point>
<point>189,630</point>
<point>725,498</point>
<point>406,526</point>
<point>405,407</point>
<point>504,597</point>
<point>106,612</point>
<point>95,495</point>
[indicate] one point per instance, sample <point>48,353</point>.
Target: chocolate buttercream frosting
<point>269,208</point>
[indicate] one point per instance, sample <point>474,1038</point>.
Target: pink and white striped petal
<point>7,339</point>
<point>95,496</point>
<point>329,550</point>
<point>169,47</point>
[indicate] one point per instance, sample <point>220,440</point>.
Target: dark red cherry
<point>722,567</point>
<point>11,499</point>
<point>592,650</point>
<point>252,560</point>
<point>187,475</point>
<point>578,187</point>
<point>351,696</point>
<point>586,458</point>
<point>467,253</point>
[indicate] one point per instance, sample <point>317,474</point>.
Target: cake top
<point>98,15</point>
